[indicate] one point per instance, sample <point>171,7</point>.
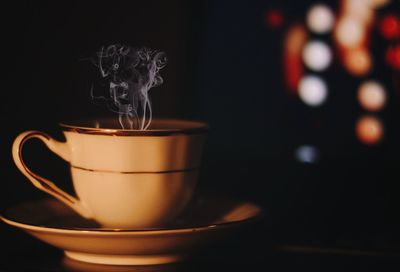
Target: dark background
<point>225,68</point>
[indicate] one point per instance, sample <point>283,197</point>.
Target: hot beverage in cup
<point>124,178</point>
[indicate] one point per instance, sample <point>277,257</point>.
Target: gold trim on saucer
<point>227,222</point>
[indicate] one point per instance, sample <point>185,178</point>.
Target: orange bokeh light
<point>357,62</point>
<point>292,60</point>
<point>371,96</point>
<point>369,130</point>
<point>379,3</point>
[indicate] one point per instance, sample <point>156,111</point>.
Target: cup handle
<point>59,148</point>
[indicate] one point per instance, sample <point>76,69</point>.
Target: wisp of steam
<point>130,74</point>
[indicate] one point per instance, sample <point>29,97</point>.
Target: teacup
<point>124,178</point>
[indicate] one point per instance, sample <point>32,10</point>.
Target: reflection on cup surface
<point>124,178</point>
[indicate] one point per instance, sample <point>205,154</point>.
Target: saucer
<point>205,220</point>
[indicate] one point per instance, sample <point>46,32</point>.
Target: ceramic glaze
<point>124,178</point>
<point>207,220</point>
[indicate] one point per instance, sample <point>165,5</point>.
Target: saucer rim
<point>151,231</point>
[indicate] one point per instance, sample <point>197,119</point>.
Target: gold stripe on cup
<point>137,172</point>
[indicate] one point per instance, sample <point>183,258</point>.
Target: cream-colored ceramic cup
<point>124,178</point>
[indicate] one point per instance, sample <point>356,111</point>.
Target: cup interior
<point>113,125</point>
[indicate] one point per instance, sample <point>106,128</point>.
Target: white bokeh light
<point>307,154</point>
<point>320,19</point>
<point>317,55</point>
<point>371,95</point>
<point>313,90</point>
<point>350,32</point>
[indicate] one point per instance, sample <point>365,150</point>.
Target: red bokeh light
<point>274,18</point>
<point>389,27</point>
<point>292,62</point>
<point>393,57</point>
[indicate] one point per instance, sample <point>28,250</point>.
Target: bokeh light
<point>369,130</point>
<point>293,66</point>
<point>349,32</point>
<point>295,39</point>
<point>307,154</point>
<point>320,19</point>
<point>357,62</point>
<point>389,27</point>
<point>355,26</point>
<point>379,3</point>
<point>371,96</point>
<point>317,55</point>
<point>393,57</point>
<point>361,10</point>
<point>274,18</point>
<point>313,90</point>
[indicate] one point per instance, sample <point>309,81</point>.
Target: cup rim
<point>159,127</point>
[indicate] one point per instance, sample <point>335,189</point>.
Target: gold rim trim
<point>137,172</point>
<point>193,127</point>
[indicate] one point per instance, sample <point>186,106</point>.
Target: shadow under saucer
<point>72,265</point>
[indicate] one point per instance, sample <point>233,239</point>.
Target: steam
<point>130,73</point>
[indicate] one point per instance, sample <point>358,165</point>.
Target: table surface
<point>252,248</point>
